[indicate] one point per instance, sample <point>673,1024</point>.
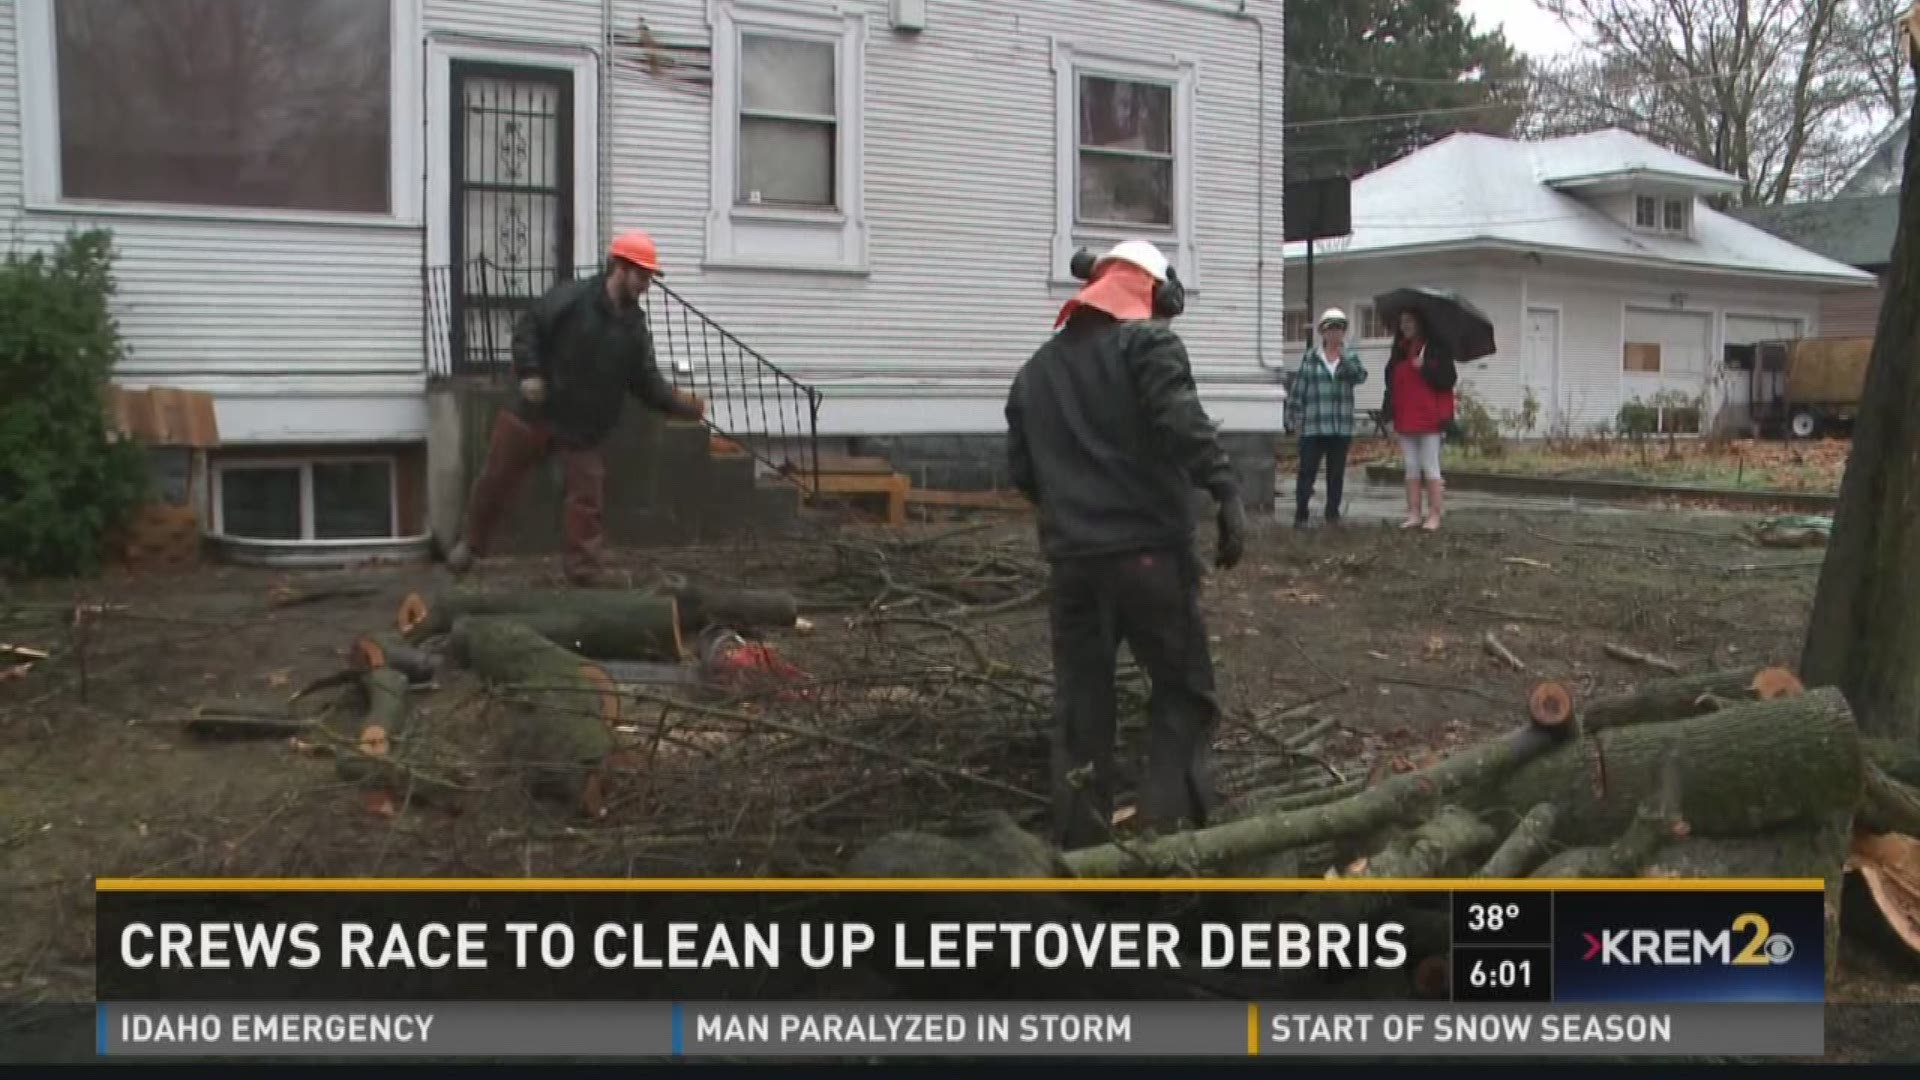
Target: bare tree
<point>1784,94</point>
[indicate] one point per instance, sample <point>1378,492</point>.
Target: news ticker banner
<point>1018,967</point>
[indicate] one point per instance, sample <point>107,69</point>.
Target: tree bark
<point>561,708</point>
<point>371,652</point>
<point>697,607</point>
<point>1664,699</point>
<point>1525,846</point>
<point>1393,800</point>
<point>1740,770</point>
<point>1864,632</point>
<point>1654,824</point>
<point>381,749</point>
<point>603,624</point>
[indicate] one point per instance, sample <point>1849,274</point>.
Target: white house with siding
<point>1607,275</point>
<point>879,196</point>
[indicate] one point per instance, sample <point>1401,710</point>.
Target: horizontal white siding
<point>959,191</point>
<point>572,21</point>
<point>213,302</point>
<point>1855,313</point>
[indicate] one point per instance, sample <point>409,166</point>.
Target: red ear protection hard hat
<point>637,248</point>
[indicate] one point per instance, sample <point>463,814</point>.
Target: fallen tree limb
<point>1663,699</point>
<point>1635,656</point>
<point>218,722</point>
<point>1889,806</point>
<point>281,596</point>
<point>1500,652</point>
<point>371,652</point>
<point>801,731</point>
<point>380,747</point>
<point>1654,824</point>
<point>1741,770</point>
<point>1358,814</point>
<point>561,732</point>
<point>603,624</point>
<point>1524,847</point>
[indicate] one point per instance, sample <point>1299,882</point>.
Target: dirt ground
<point>1812,466</point>
<point>1379,628</point>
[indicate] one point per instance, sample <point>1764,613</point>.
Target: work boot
<point>460,559</point>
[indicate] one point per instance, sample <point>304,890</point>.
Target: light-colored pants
<point>1422,456</point>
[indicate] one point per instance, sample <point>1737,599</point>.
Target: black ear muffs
<point>1169,296</point>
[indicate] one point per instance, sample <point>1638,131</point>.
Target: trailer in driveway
<point>1805,387</point>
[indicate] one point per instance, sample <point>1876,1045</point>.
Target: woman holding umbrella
<point>1419,403</point>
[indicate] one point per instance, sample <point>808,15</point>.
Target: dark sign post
<point>1317,210</point>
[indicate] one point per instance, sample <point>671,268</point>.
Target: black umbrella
<point>1449,317</point>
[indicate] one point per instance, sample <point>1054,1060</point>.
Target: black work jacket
<point>1107,437</point>
<point>592,356</point>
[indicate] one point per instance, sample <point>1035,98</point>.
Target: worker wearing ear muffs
<point>1107,437</point>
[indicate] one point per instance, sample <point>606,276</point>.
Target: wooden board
<point>164,416</point>
<point>844,465</point>
<point>894,486</point>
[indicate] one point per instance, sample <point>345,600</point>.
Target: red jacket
<point>1420,398</point>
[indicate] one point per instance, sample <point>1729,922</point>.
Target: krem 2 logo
<point>1758,945</point>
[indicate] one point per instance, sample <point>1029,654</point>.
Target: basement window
<point>306,499</point>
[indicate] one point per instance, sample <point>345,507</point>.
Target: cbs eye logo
<point>1763,947</point>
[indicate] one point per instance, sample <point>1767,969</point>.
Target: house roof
<point>1472,190</point>
<point>1856,231</point>
<point>1611,155</point>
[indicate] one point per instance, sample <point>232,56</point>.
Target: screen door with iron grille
<point>512,214</point>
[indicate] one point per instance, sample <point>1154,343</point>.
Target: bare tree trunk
<point>1865,630</point>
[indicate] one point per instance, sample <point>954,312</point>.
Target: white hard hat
<point>1140,253</point>
<point>1332,315</point>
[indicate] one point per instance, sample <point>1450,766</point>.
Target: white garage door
<point>1666,350</point>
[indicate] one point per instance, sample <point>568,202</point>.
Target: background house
<point>338,203</point>
<point>1855,227</point>
<point>1607,275</point>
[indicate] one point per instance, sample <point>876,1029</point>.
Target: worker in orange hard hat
<point>1107,437</point>
<point>577,353</point>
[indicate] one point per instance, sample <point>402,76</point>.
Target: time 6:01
<point>1503,974</point>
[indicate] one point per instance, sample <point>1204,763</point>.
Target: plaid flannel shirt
<point>1320,402</point>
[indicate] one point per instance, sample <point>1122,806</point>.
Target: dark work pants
<point>515,448</point>
<point>1151,601</point>
<point>1315,449</point>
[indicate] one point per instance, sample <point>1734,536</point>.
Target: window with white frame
<point>1646,212</point>
<point>267,105</point>
<point>1126,152</point>
<point>1656,213</point>
<point>1372,326</point>
<point>1673,215</point>
<point>295,499</point>
<point>1125,145</point>
<point>789,122</point>
<point>787,138</point>
<point>1297,327</point>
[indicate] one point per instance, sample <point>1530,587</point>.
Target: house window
<point>1124,165</point>
<point>788,121</point>
<point>788,146</point>
<point>295,499</point>
<point>1642,357</point>
<point>1646,212</point>
<point>1298,327</point>
<point>282,105</point>
<point>1675,215</point>
<point>1126,152</point>
<point>1372,327</point>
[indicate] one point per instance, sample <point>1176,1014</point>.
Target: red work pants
<point>515,448</point>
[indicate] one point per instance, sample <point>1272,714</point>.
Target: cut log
<point>1450,838</point>
<point>371,652</point>
<point>1754,767</point>
<point>1775,682</point>
<point>1359,814</point>
<point>561,708</point>
<point>1664,699</point>
<point>1655,824</point>
<point>1524,847</point>
<point>1635,656</point>
<point>1550,703</point>
<point>281,596</point>
<point>1890,866</point>
<point>603,624</point>
<point>1500,652</point>
<point>1889,806</point>
<point>704,606</point>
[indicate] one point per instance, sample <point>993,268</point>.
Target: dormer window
<point>1656,214</point>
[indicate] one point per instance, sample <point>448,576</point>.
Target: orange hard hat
<point>637,248</point>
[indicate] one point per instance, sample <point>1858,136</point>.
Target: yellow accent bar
<point>967,885</point>
<point>1253,1029</point>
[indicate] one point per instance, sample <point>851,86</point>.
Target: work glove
<point>1232,522</point>
<point>534,389</point>
<point>691,405</point>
